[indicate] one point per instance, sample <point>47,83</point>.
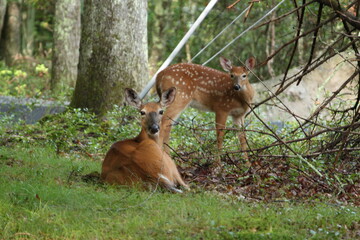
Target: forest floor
<point>44,196</point>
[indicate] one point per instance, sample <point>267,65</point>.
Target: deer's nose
<point>154,128</point>
<point>237,87</point>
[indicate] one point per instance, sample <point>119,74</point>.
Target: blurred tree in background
<point>65,56</point>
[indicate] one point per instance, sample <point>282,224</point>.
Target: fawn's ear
<point>226,64</point>
<point>250,63</point>
<point>132,98</point>
<point>167,97</point>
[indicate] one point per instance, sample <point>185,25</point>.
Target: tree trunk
<point>27,29</point>
<point>11,38</point>
<point>66,44</point>
<point>270,45</point>
<point>2,14</point>
<point>113,53</point>
<point>158,38</point>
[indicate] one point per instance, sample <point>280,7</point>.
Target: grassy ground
<point>43,196</point>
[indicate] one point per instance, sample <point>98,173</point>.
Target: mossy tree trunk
<point>67,31</point>
<point>12,35</point>
<point>113,53</point>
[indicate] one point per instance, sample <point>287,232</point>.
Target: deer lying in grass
<point>141,159</point>
<point>209,90</point>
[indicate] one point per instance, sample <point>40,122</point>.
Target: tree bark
<point>66,44</point>
<point>12,35</point>
<point>2,14</point>
<point>27,29</point>
<point>270,45</point>
<point>113,53</point>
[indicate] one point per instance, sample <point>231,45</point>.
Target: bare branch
<point>343,14</point>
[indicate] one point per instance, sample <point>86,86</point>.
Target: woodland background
<point>84,53</point>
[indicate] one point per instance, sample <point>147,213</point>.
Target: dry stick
<point>345,137</point>
<point>301,19</point>
<point>294,78</point>
<point>294,39</point>
<point>324,60</point>
<point>284,15</point>
<point>314,42</point>
<point>319,63</point>
<point>320,108</point>
<point>233,4</point>
<point>275,144</point>
<point>296,6</point>
<point>288,110</point>
<point>317,124</point>
<point>286,145</point>
<point>343,14</point>
<point>172,149</point>
<point>325,53</point>
<point>315,154</point>
<point>357,53</point>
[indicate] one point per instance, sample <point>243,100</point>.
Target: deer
<point>224,93</point>
<point>141,159</point>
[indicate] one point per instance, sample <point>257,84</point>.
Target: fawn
<point>208,89</point>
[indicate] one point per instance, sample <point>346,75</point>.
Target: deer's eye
<point>232,75</point>
<point>243,76</point>
<point>161,112</point>
<point>142,113</point>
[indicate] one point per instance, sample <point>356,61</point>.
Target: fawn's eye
<point>142,113</point>
<point>232,75</point>
<point>243,76</point>
<point>161,112</point>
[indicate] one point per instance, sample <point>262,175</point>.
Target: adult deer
<point>141,159</point>
<point>209,90</point>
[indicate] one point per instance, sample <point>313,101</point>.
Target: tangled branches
<point>323,147</point>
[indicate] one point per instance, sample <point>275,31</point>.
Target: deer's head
<point>239,75</point>
<point>152,112</point>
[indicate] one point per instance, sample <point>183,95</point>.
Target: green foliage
<point>75,130</point>
<point>176,17</point>
<point>23,80</point>
<point>193,141</point>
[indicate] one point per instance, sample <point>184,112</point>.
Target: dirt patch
<point>11,162</point>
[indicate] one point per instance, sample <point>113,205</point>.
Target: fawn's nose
<point>237,87</point>
<point>153,129</point>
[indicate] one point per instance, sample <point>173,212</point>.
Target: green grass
<point>43,197</point>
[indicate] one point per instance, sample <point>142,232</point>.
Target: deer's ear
<point>167,97</point>
<point>226,64</point>
<point>132,98</point>
<point>250,63</point>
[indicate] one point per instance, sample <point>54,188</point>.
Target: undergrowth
<point>80,133</point>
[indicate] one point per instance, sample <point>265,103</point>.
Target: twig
<point>301,19</point>
<point>314,41</point>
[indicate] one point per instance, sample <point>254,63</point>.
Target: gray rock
<point>29,109</point>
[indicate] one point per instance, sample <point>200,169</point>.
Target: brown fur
<point>210,90</point>
<point>139,160</point>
